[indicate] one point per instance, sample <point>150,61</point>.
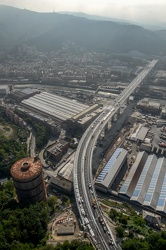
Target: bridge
<point>89,209</point>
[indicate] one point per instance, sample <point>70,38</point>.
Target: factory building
<point>19,95</point>
<point>139,134</point>
<point>65,230</point>
<point>55,106</point>
<point>63,180</point>
<point>145,184</point>
<point>149,106</point>
<point>108,175</point>
<point>28,180</point>
<point>57,150</point>
<point>4,90</point>
<point>161,204</point>
<point>154,189</point>
<point>163,112</point>
<point>69,113</point>
<point>129,184</point>
<point>144,180</point>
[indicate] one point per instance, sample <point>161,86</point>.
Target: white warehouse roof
<point>130,183</point>
<point>56,106</point>
<point>111,170</point>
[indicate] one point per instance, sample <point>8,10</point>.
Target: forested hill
<point>48,31</point>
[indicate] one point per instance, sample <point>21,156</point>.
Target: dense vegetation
<point>25,226</point>
<point>155,241</point>
<point>133,229</point>
<point>20,223</point>
<point>133,223</point>
<point>42,132</point>
<point>13,147</point>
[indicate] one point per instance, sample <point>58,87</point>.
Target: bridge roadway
<point>84,188</point>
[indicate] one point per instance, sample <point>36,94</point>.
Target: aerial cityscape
<point>82,126</point>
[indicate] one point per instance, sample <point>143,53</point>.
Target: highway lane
<point>101,239</point>
<point>83,169</point>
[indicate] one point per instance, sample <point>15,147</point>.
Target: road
<point>83,180</point>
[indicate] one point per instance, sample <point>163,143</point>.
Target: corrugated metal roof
<point>55,106</point>
<point>134,174</point>
<point>108,166</point>
<point>112,168</point>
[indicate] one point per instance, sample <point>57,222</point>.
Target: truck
<point>94,203</point>
<point>100,218</point>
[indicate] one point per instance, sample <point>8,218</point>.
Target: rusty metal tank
<point>28,179</point>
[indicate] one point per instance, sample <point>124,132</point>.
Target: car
<point>83,212</point>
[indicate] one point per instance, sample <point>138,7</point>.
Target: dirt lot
<point>6,130</point>
<point>63,219</point>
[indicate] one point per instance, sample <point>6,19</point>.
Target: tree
<point>64,198</point>
<point>139,221</point>
<point>123,220</point>
<point>135,244</point>
<point>52,201</point>
<point>119,231</point>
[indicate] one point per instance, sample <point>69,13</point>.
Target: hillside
<point>48,31</point>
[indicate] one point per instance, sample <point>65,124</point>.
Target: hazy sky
<point>135,10</point>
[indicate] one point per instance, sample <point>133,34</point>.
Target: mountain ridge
<point>48,31</point>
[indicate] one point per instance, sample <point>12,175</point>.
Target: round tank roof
<point>26,168</point>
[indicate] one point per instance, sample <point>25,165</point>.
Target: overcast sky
<point>134,10</point>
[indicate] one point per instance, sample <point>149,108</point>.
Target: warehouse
<point>4,90</point>
<point>139,134</point>
<point>129,185</point>
<point>146,105</point>
<point>144,180</point>
<point>108,175</point>
<point>145,184</point>
<point>65,230</point>
<point>142,134</point>
<point>19,95</point>
<point>161,204</point>
<point>154,189</point>
<point>57,150</point>
<point>54,106</point>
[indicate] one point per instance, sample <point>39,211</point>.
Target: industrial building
<point>4,90</point>
<point>63,178</point>
<point>149,106</point>
<point>145,184</point>
<point>139,134</point>
<point>56,151</point>
<point>144,180</point>
<point>161,204</point>
<point>108,175</point>
<point>154,189</point>
<point>19,95</point>
<point>51,109</point>
<point>55,106</point>
<point>129,184</point>
<point>163,112</point>
<point>65,230</point>
<point>28,180</point>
